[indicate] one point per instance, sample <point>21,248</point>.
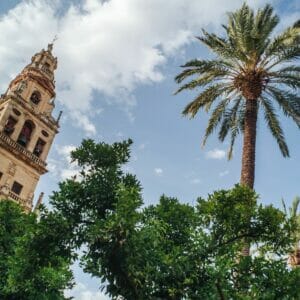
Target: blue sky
<point>117,61</point>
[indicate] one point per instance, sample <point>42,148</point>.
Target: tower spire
<point>50,46</point>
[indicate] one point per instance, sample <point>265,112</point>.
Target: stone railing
<point>13,145</point>
<point>26,204</point>
<point>15,197</point>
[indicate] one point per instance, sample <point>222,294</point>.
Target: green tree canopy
<point>172,250</point>
<point>35,256</point>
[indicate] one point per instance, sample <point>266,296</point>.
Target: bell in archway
<point>22,140</point>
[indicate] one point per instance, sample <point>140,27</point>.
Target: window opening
<point>16,112</point>
<point>35,97</point>
<point>10,125</point>
<point>26,133</point>
<point>45,133</point>
<point>39,147</point>
<point>17,188</point>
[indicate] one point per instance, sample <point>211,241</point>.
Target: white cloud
<point>83,121</point>
<point>108,47</point>
<point>196,181</point>
<point>81,292</point>
<point>224,173</point>
<point>120,134</point>
<point>68,173</point>
<point>158,171</point>
<point>65,151</point>
<point>142,146</point>
<point>62,166</point>
<point>215,154</point>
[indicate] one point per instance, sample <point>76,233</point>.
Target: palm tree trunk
<point>248,159</point>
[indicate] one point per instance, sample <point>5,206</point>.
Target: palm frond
<point>288,38</point>
<point>265,21</point>
<point>203,80</point>
<point>229,119</point>
<point>236,128</point>
<point>284,206</point>
<point>207,64</point>
<point>240,28</point>
<point>294,208</point>
<point>250,34</point>
<point>288,102</point>
<point>222,47</point>
<point>187,73</point>
<point>297,24</point>
<point>287,54</point>
<point>289,70</point>
<point>284,48</point>
<point>205,99</point>
<point>274,126</point>
<point>289,76</point>
<point>196,66</point>
<point>291,81</point>
<point>215,119</point>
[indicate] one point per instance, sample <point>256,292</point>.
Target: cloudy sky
<point>116,64</point>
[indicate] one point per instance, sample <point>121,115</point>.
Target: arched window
<point>39,147</point>
<point>26,133</point>
<point>35,97</point>
<point>47,66</point>
<point>10,125</point>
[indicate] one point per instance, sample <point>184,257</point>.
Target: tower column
<point>32,142</point>
<point>17,131</point>
<point>47,148</point>
<point>3,119</point>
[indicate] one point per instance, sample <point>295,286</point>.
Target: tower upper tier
<point>35,84</point>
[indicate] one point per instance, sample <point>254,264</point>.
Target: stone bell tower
<point>27,128</point>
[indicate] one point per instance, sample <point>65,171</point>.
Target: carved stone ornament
<point>21,87</point>
<point>30,197</point>
<point>12,169</point>
<point>5,187</point>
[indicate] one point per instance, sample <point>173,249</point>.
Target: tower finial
<point>50,46</point>
<point>38,203</point>
<point>59,116</point>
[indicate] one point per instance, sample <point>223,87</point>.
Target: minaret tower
<point>27,128</point>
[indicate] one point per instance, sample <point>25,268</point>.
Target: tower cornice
<point>28,73</point>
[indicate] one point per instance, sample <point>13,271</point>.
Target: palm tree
<point>251,72</point>
<point>293,214</point>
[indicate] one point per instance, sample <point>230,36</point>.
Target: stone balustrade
<point>14,197</point>
<point>20,149</point>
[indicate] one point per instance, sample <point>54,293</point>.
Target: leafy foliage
<point>250,65</point>
<point>34,255</point>
<point>294,215</point>
<point>172,250</point>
